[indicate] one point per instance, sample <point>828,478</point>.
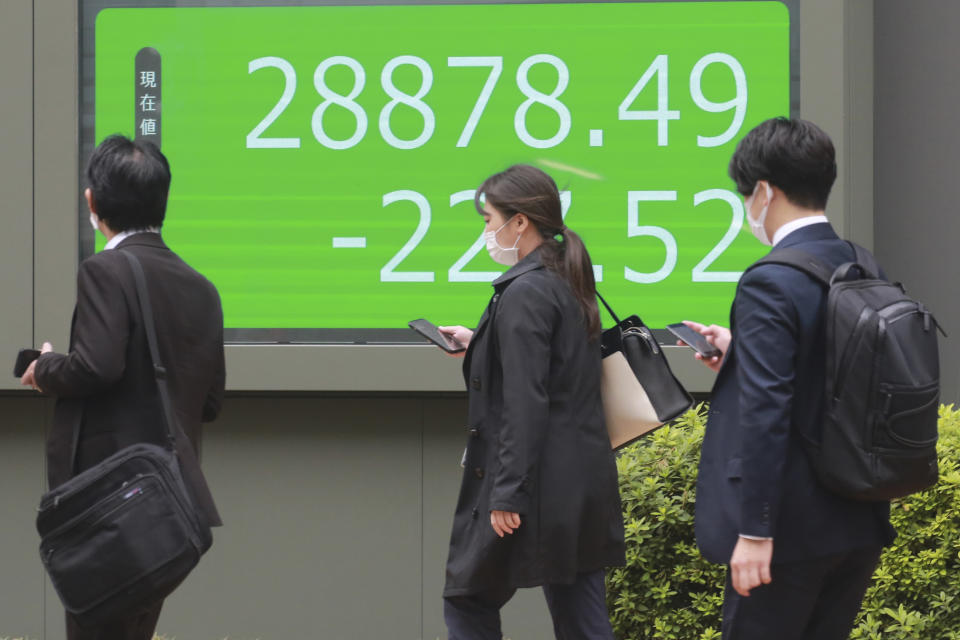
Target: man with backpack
<point>800,554</point>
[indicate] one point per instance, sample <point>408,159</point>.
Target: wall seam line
<point>34,261</point>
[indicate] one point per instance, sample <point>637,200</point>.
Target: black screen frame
<point>88,10</point>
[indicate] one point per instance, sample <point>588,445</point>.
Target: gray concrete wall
<point>916,140</point>
<point>16,178</point>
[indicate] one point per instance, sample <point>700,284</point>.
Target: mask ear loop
<point>748,201</point>
<point>519,235</point>
<point>496,237</point>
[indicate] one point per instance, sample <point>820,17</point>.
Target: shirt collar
<point>123,235</point>
<point>793,225</point>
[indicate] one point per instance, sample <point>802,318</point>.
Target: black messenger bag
<point>122,535</point>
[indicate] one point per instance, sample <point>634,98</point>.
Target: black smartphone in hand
<point>695,340</point>
<point>24,358</point>
<point>430,331</point>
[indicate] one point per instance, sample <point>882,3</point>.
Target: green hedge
<point>667,591</point>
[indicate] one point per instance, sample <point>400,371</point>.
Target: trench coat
<point>536,443</point>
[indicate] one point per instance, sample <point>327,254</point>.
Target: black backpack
<point>882,382</point>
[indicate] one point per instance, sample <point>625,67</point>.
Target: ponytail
<point>571,261</point>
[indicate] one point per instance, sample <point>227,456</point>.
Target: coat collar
<point>812,233</point>
<point>529,263</point>
<point>146,239</point>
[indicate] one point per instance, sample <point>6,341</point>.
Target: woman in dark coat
<point>539,503</point>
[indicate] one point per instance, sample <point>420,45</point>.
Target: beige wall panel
<point>836,92</point>
<point>858,120</point>
<point>55,52</point>
<point>381,368</point>
<point>322,510</point>
<point>55,168</point>
<point>16,177</point>
<point>22,480</point>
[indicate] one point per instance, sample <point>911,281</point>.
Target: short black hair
<point>130,182</point>
<point>792,154</point>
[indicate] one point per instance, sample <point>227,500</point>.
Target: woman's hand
<point>504,521</point>
<point>460,334</point>
<point>717,336</point>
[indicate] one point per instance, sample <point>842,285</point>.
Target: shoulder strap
<point>798,259</point>
<point>609,309</point>
<point>819,270</point>
<point>159,372</point>
<point>866,261</point>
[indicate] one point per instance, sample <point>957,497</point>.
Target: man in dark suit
<point>800,556</point>
<point>107,396</point>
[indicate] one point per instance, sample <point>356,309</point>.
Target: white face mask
<point>756,226</point>
<point>94,221</point>
<point>501,255</point>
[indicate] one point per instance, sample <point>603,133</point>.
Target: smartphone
<point>694,340</point>
<point>430,331</point>
<point>24,358</point>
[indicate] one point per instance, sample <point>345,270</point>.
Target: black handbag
<point>123,534</point>
<point>639,391</point>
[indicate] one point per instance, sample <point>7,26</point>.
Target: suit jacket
<point>755,478</point>
<point>536,444</point>
<point>106,385</point>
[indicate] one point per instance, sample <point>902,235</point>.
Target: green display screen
<point>325,158</point>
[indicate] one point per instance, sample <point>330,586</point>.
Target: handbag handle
<point>612,314</point>
<point>609,309</point>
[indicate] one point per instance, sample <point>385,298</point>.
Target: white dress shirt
<point>123,235</point>
<point>793,225</point>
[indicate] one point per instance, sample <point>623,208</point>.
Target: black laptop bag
<point>122,535</point>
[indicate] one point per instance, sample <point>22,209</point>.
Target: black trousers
<point>578,610</point>
<point>813,600</point>
<point>138,626</point>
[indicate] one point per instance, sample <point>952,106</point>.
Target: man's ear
<point>762,192</point>
<point>88,194</point>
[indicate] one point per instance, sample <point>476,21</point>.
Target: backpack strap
<point>867,262</point>
<point>820,270</point>
<point>798,259</point>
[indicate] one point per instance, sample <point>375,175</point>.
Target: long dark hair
<point>530,191</point>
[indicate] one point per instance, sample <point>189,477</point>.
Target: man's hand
<point>28,379</point>
<point>460,334</point>
<point>504,521</point>
<point>717,336</point>
<point>750,564</point>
